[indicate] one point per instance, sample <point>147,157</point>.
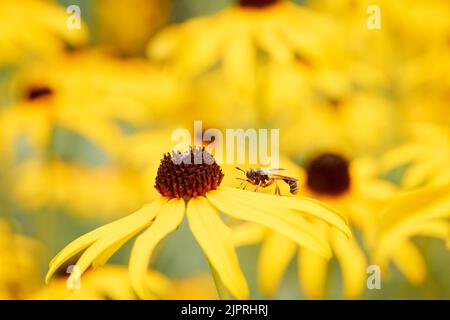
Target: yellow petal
<point>269,40</point>
<point>145,214</point>
<point>214,237</point>
<point>312,273</point>
<point>239,59</point>
<point>307,206</point>
<point>160,286</point>
<point>116,236</point>
<point>418,205</point>
<point>247,234</point>
<point>389,241</point>
<point>400,156</point>
<point>418,173</point>
<point>275,255</point>
<point>278,218</point>
<point>353,264</point>
<point>202,50</point>
<point>410,262</point>
<point>167,221</point>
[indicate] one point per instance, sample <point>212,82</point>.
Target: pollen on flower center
<point>188,174</point>
<point>328,174</point>
<point>38,92</point>
<point>256,3</point>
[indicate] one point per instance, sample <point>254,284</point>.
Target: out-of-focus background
<point>86,114</point>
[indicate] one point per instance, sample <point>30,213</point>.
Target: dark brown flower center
<point>38,92</point>
<point>188,174</point>
<point>256,3</point>
<point>328,174</point>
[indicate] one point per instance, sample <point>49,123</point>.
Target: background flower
<point>85,115</point>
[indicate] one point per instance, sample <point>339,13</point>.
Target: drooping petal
<point>247,234</point>
<point>278,218</point>
<point>239,58</point>
<point>419,205</point>
<point>214,237</point>
<point>312,273</point>
<point>141,216</point>
<point>159,285</point>
<point>276,253</point>
<point>307,206</point>
<point>167,221</point>
<point>116,236</point>
<point>410,262</point>
<point>353,264</point>
<point>201,51</point>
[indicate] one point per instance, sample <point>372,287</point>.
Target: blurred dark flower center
<point>328,174</point>
<point>188,174</point>
<point>38,92</point>
<point>256,3</point>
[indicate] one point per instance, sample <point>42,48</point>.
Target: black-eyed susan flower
<point>424,212</point>
<point>126,27</point>
<point>423,209</point>
<point>54,183</point>
<point>352,122</point>
<point>35,27</point>
<point>238,38</point>
<point>113,282</point>
<point>19,267</point>
<point>89,93</point>
<point>351,186</point>
<point>425,154</point>
<point>190,182</point>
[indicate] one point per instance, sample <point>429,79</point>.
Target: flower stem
<point>222,292</point>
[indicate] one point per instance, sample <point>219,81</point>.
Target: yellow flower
<point>31,27</point>
<point>54,183</point>
<point>424,209</point>
<point>423,212</point>
<point>352,123</point>
<point>113,282</point>
<point>429,18</point>
<point>426,153</point>
<point>240,37</point>
<point>18,270</point>
<point>88,93</point>
<point>353,188</point>
<point>423,87</point>
<point>195,189</point>
<point>127,26</point>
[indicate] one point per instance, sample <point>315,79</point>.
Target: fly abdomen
<point>293,185</point>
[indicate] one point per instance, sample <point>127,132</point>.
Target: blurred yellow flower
<point>35,27</point>
<point>423,212</point>
<point>89,93</point>
<point>126,26</point>
<point>197,186</point>
<point>423,87</point>
<point>425,209</point>
<point>54,183</point>
<point>352,187</point>
<point>18,268</point>
<point>240,37</point>
<point>113,282</point>
<point>426,155</point>
<point>355,124</point>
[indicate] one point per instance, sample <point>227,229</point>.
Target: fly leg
<point>244,182</point>
<point>269,183</point>
<point>277,189</point>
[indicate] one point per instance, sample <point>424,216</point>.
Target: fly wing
<point>270,170</point>
<point>286,178</point>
